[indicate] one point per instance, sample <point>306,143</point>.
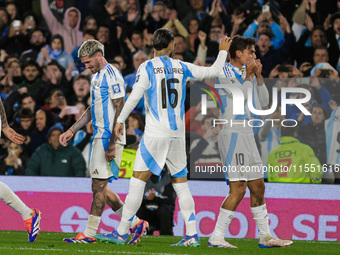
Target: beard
<point>31,81</point>
<point>37,47</point>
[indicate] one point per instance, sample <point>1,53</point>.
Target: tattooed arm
<point>81,122</point>
<point>118,105</point>
<point>8,131</point>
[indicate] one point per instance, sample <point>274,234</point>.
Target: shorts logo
<point>116,88</point>
<point>95,171</point>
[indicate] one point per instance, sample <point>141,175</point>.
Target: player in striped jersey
<point>107,100</point>
<point>237,143</point>
<point>162,81</point>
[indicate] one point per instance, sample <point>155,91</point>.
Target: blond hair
<point>90,47</point>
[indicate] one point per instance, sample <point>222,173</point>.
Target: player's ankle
<point>214,238</point>
<point>265,237</point>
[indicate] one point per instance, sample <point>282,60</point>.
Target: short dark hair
<point>25,95</point>
<point>321,48</point>
<point>91,32</point>
<point>55,63</point>
<point>240,43</point>
<point>25,113</point>
<point>161,38</point>
<point>31,62</point>
<point>289,129</point>
<point>82,77</point>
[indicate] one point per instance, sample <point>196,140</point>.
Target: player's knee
<point>98,185</point>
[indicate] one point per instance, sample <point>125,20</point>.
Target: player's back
<point>165,95</point>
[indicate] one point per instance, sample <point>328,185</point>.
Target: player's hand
<point>119,130</point>
<point>13,136</point>
<point>225,43</point>
<point>250,68</point>
<point>64,137</point>
<point>110,153</point>
<point>258,72</point>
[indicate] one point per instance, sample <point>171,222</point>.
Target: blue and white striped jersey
<point>232,76</point>
<point>106,85</point>
<point>163,82</point>
<point>332,128</point>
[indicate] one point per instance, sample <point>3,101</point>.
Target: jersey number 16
<point>171,91</point>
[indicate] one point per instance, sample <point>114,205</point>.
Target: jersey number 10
<point>171,91</point>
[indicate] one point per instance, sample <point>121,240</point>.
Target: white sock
<point>92,225</point>
<point>135,220</point>
<point>261,218</point>
<point>13,201</point>
<point>222,224</point>
<point>132,204</point>
<point>187,206</point>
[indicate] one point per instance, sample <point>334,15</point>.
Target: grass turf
<point>16,242</point>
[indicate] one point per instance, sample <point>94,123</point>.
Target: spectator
<point>186,12</point>
<point>30,21</point>
<point>181,48</point>
<point>58,106</point>
<point>289,154</point>
<point>138,58</point>
<point>313,133</point>
<point>55,78</point>
<point>318,38</point>
<point>122,63</point>
<point>158,204</point>
<point>90,23</point>
<point>81,88</point>
<point>31,75</point>
<point>14,162</point>
<point>319,95</point>
<point>154,17</point>
<point>51,159</point>
<point>37,41</point>
<point>12,79</point>
<point>269,56</point>
<point>55,51</point>
<point>87,34</point>
<point>69,30</point>
<point>265,23</point>
<point>210,153</point>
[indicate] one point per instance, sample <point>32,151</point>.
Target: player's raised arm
<point>81,122</point>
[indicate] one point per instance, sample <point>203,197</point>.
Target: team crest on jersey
<point>116,88</point>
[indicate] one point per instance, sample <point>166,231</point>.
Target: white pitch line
<point>90,251</point>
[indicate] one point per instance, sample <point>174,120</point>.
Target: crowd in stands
<point>45,87</point>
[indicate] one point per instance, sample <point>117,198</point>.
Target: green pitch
<point>15,242</point>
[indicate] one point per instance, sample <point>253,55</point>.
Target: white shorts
<point>99,167</point>
<point>154,152</point>
<point>240,156</point>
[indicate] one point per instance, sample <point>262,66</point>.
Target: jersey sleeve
<point>116,85</point>
<point>142,77</point>
<point>202,72</point>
